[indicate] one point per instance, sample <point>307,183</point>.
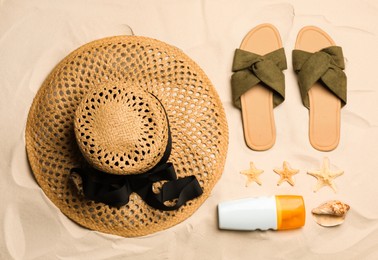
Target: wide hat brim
<point>195,113</point>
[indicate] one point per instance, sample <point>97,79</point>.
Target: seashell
<point>330,213</point>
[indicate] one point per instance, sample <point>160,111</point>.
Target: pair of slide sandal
<point>258,84</point>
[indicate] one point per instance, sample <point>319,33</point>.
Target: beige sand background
<point>36,34</point>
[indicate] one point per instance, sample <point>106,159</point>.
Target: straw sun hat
<point>127,136</point>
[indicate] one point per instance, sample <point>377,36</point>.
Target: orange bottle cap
<point>290,212</point>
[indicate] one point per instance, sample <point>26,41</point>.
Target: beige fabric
<point>257,103</point>
<point>36,35</point>
<point>324,111</point>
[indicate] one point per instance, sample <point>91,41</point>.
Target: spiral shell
<point>331,213</point>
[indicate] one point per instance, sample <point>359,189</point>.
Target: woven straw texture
<point>195,113</point>
<point>121,129</point>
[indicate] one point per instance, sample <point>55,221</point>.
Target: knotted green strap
<point>325,66</point>
<point>251,69</point>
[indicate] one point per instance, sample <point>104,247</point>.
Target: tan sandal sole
<point>324,112</point>
<point>257,103</point>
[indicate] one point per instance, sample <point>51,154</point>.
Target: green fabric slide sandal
<point>258,84</point>
<point>322,82</point>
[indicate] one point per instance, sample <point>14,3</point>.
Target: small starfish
<point>286,174</point>
<point>325,176</point>
<point>252,174</point>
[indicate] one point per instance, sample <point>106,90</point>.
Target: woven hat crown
<point>121,129</point>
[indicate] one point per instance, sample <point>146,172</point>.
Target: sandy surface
<point>35,35</point>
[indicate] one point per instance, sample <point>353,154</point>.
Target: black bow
<point>115,190</point>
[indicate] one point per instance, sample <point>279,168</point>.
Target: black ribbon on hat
<point>115,190</point>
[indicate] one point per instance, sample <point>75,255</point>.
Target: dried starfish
<point>252,174</point>
<point>286,174</point>
<point>325,176</point>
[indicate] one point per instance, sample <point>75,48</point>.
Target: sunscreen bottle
<point>275,212</point>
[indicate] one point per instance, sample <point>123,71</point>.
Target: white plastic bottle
<point>275,212</point>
